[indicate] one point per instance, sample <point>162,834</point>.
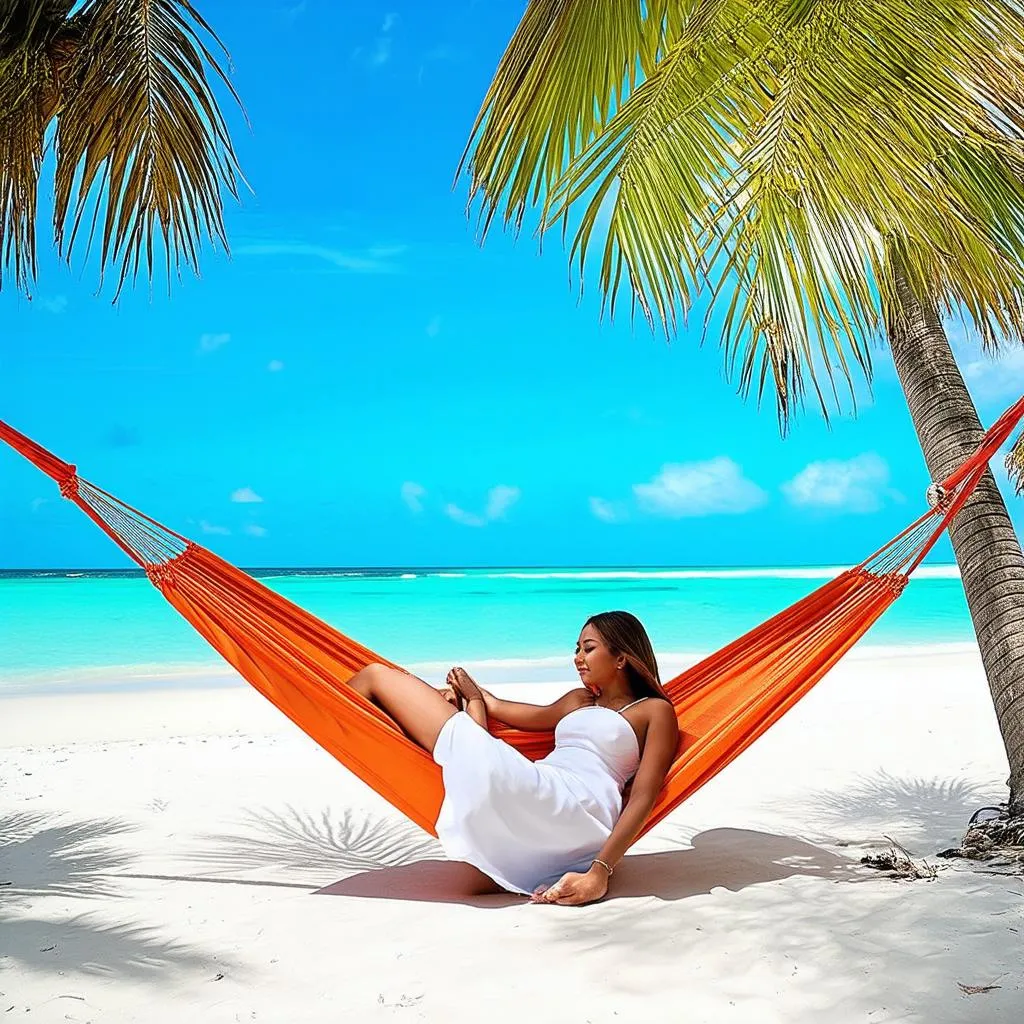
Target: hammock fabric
<point>302,665</point>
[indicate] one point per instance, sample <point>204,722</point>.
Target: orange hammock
<point>301,664</point>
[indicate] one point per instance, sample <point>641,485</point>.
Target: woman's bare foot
<point>453,697</point>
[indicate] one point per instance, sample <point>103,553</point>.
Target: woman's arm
<point>535,717</point>
<point>660,747</point>
<point>520,715</point>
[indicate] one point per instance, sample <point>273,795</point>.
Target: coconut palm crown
<point>775,154</point>
<point>142,155</point>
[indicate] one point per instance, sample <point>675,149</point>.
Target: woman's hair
<point>624,634</point>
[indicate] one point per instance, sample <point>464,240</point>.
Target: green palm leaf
<point>770,158</point>
<point>1015,464</point>
<point>565,70</point>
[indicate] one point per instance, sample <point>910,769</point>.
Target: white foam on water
<point>809,573</point>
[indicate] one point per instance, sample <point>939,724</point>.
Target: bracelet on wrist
<point>605,865</point>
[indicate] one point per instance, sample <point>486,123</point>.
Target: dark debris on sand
<point>898,862</point>
<point>993,835</point>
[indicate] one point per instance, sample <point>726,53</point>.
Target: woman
<point>554,828</point>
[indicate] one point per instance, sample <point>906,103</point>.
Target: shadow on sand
<point>49,864</point>
<point>924,814</point>
<point>392,859</point>
<point>729,858</point>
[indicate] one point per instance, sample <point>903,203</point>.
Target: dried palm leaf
<point>141,141</point>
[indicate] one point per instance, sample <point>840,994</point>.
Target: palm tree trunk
<point>987,549</point>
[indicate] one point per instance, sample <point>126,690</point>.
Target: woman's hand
<point>451,695</point>
<point>461,683</point>
<point>574,889</point>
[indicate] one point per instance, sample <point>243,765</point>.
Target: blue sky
<point>362,384</point>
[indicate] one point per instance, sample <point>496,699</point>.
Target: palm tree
<point>141,150</point>
<point>824,174</point>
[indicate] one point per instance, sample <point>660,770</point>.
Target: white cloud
<point>500,499</point>
<point>715,487</point>
<point>374,260</point>
<point>212,342</point>
<point>254,530</point>
<point>57,305</point>
<point>275,366</point>
<point>855,485</point>
<point>607,511</point>
<point>378,53</point>
<point>211,528</point>
<point>412,495</point>
<point>433,328</point>
<point>461,516</point>
<point>37,503</point>
<point>381,52</point>
<point>383,252</point>
<point>246,496</point>
<point>995,378</point>
<point>442,52</point>
<point>435,55</point>
<point>999,378</point>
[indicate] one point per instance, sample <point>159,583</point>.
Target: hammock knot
<point>161,573</point>
<point>892,581</point>
<point>895,581</point>
<point>68,484</point>
<point>938,497</point>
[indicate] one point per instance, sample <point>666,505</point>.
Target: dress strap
<point>633,705</point>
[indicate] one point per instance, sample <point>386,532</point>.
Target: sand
<point>188,855</point>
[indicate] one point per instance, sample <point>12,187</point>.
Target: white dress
<point>525,823</point>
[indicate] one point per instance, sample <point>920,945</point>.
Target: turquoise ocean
<point>62,630</point>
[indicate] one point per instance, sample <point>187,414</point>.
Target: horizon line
<point>502,565</point>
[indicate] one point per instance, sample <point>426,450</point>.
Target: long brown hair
<point>624,634</point>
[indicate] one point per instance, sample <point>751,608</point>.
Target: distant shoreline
<point>944,570</point>
<point>549,670</point>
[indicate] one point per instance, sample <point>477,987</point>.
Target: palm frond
<point>141,141</point>
<point>33,40</point>
<point>766,162</point>
<point>1015,464</point>
<point>661,165</point>
<point>566,69</point>
<point>709,193</point>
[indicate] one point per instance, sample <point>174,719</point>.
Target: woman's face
<point>595,663</point>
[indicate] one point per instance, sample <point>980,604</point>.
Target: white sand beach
<point>189,855</point>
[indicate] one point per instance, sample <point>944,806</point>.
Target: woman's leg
<point>421,711</point>
<point>471,881</point>
<point>415,705</point>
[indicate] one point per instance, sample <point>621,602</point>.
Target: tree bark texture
<point>986,547</point>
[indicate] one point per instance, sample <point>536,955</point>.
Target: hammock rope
<point>302,665</point>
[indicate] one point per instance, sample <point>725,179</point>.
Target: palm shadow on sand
<point>389,858</point>
<point>54,871</point>
<point>727,858</point>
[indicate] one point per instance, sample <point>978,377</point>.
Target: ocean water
<point>85,629</point>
